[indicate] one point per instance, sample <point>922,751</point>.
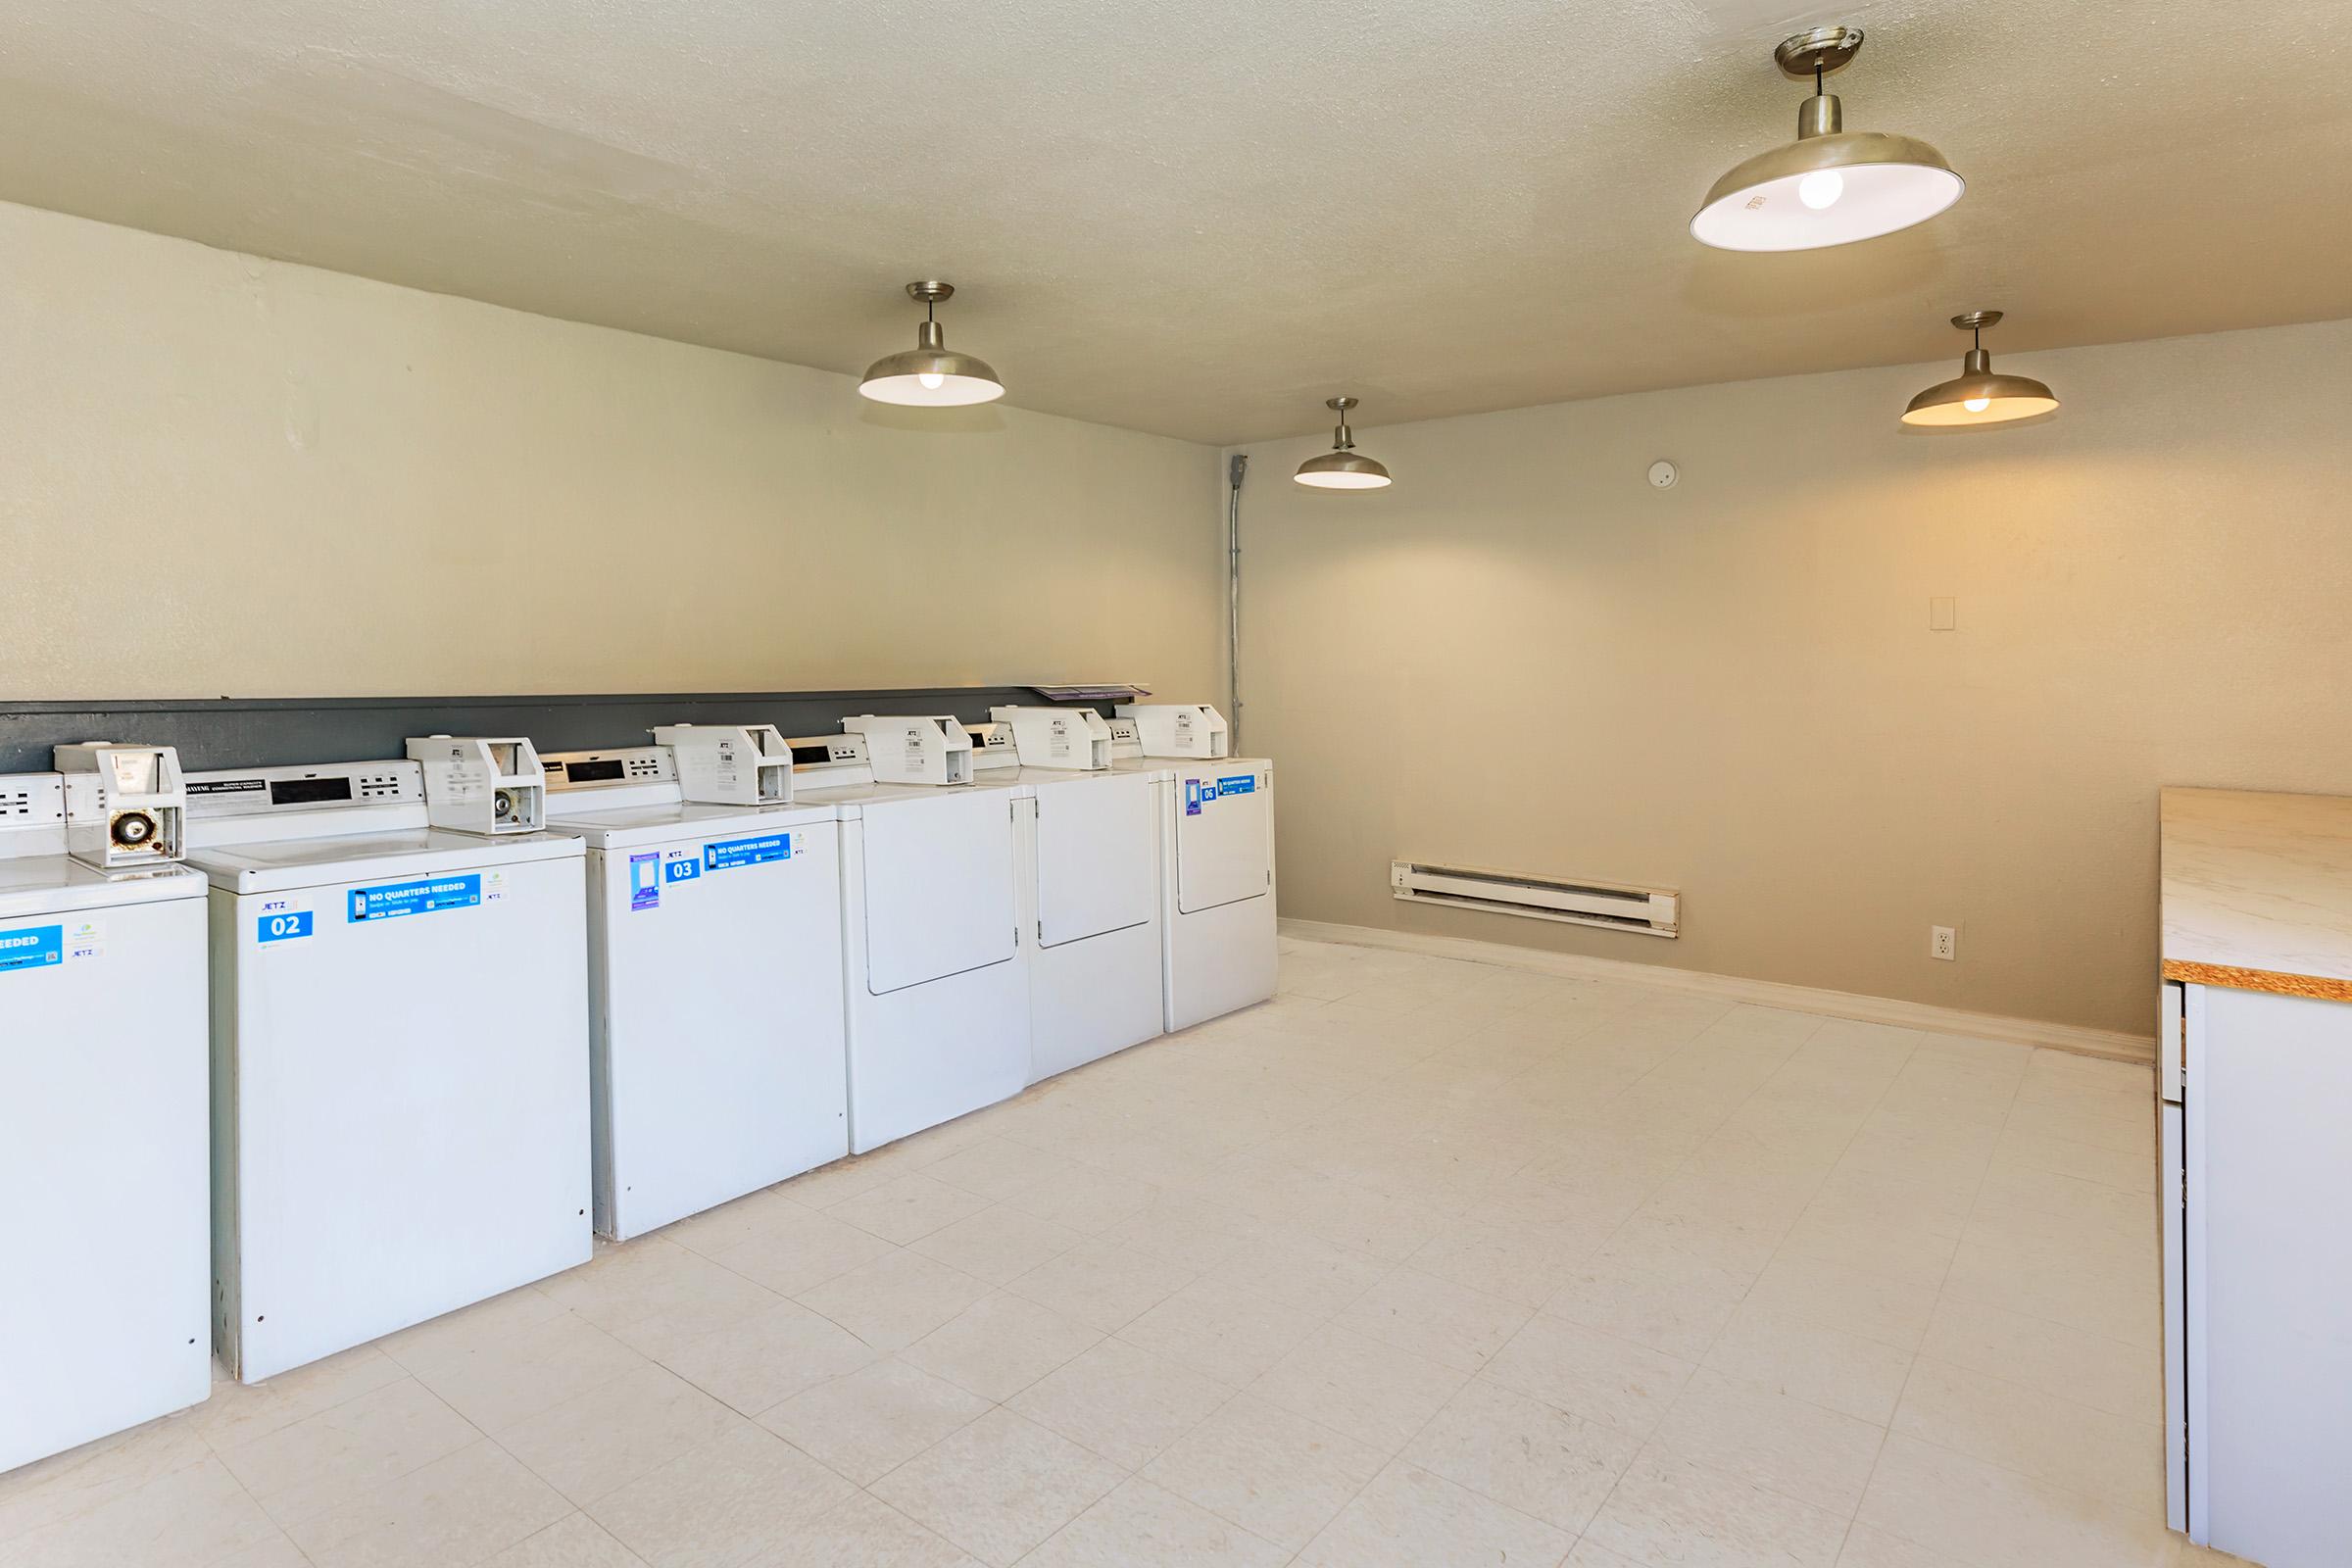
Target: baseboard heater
<point>1651,912</point>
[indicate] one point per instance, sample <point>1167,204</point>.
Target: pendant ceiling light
<point>1831,187</point>
<point>1341,468</point>
<point>927,375</point>
<point>1977,396</point>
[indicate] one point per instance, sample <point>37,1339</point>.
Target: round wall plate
<point>1662,474</point>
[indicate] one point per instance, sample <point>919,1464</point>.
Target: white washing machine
<point>1088,850</point>
<point>1216,856</point>
<point>718,1064</point>
<point>104,1320</point>
<point>400,1045</point>
<point>936,972</point>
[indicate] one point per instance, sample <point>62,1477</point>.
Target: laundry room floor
<point>1424,1262</point>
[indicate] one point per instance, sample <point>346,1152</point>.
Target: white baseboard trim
<point>2110,1043</point>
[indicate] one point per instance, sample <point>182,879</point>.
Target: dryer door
<point>1097,864</point>
<point>938,895</point>
<point>1224,836</point>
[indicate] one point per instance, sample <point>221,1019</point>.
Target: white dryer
<point>400,1045</point>
<point>717,1066</point>
<point>937,973</point>
<point>103,1322</point>
<point>1089,854</point>
<point>1216,856</point>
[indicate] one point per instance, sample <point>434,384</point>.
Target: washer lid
<point>280,865</point>
<point>51,884</point>
<point>859,799</point>
<point>1046,778</point>
<point>631,825</point>
<point>1181,768</point>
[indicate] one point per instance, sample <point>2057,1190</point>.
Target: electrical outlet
<point>1943,942</point>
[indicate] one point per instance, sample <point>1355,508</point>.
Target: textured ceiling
<point>1202,218</point>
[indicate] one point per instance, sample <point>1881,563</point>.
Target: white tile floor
<point>1423,1263</point>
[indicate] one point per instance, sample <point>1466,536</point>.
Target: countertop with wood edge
<point>2257,891</point>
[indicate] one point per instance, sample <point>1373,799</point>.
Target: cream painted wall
<point>1521,656</point>
<point>220,474</point>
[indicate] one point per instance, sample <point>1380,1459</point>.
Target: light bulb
<point>1977,405</point>
<point>1821,188</point>
<point>931,382</point>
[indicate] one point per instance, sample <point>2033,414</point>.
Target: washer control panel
<point>316,787</point>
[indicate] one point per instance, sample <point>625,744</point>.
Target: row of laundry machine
<point>463,1008</point>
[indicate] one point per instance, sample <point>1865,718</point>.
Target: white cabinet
<point>2258,1272</point>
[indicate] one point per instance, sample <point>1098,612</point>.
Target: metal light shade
<point>1831,187</point>
<point>1343,468</point>
<point>1341,471</point>
<point>928,375</point>
<point>932,380</point>
<point>1977,395</point>
<point>1997,399</point>
<point>1889,182</point>
<point>931,377</point>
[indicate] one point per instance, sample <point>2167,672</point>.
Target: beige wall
<point>1523,657</point>
<point>225,475</point>
<point>222,476</point>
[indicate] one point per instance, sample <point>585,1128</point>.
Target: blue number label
<point>283,927</point>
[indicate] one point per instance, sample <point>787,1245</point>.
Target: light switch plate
<point>1944,615</point>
